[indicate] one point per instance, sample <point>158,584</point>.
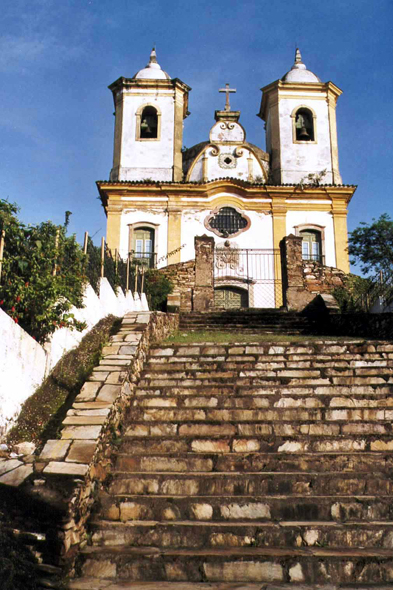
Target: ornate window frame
<point>314,122</point>
<point>138,116</point>
<point>216,211</point>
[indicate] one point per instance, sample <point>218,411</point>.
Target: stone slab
<point>16,476</point>
<point>55,450</point>
<point>84,419</point>
<point>88,392</point>
<point>92,406</point>
<point>81,432</point>
<point>109,393</point>
<point>81,451</point>
<point>96,584</point>
<point>6,466</point>
<point>64,468</point>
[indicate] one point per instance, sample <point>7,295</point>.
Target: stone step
<point>206,401</point>
<point>89,583</point>
<point>215,455</point>
<point>267,483</point>
<point>281,390</point>
<point>188,534</point>
<point>277,414</point>
<point>313,565</point>
<point>267,381</point>
<point>239,363</point>
<point>246,508</point>
<point>317,436</point>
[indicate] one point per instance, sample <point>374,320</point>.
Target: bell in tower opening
<point>149,123</point>
<point>304,125</point>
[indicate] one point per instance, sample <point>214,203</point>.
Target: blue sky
<point>57,58</point>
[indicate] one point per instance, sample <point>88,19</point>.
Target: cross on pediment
<point>227,90</point>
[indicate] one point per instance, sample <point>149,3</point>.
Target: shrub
<point>157,287</point>
<point>42,275</point>
<point>350,297</point>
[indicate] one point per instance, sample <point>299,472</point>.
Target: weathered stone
<point>202,511</point>
<point>16,476</point>
<point>55,450</point>
<point>88,392</point>
<point>64,468</point>
<point>9,465</point>
<point>81,451</point>
<point>80,432</point>
<point>108,393</point>
<point>252,511</point>
<point>243,571</point>
<point>210,446</point>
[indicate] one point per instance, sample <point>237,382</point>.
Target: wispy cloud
<point>43,34</point>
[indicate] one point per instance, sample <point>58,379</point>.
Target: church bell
<point>303,134</point>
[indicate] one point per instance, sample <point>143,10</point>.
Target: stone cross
<point>227,90</point>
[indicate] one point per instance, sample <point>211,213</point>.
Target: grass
<point>43,412</point>
<point>182,337</point>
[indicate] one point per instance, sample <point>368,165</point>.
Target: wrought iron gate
<point>247,278</point>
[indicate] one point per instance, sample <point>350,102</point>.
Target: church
<point>159,196</point>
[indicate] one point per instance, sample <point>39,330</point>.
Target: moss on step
<point>43,412</point>
<point>184,336</point>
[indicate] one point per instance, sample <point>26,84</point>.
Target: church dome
<point>299,72</point>
<point>153,70</point>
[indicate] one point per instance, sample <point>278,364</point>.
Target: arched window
<point>149,123</point>
<point>304,125</point>
<point>311,245</point>
<point>143,246</point>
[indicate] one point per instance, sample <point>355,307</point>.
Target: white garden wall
<point>24,363</point>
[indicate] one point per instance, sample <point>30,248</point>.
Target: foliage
<point>371,245</point>
<point>157,288</point>
<point>42,413</point>
<point>35,296</point>
<point>350,297</point>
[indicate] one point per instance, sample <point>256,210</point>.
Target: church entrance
<point>230,298</point>
<point>247,278</point>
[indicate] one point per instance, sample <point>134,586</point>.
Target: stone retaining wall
<point>182,276</point>
<point>67,474</point>
<point>321,279</point>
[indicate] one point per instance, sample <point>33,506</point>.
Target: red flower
<point>26,284</point>
<point>18,299</point>
<point>12,308</point>
<point>16,320</point>
<point>2,302</point>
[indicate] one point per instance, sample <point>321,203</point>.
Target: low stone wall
<point>182,276</point>
<point>321,279</point>
<point>67,474</point>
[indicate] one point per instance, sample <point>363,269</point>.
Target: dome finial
<point>153,56</point>
<point>298,56</point>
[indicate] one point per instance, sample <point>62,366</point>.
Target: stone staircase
<point>251,464</point>
<point>261,321</point>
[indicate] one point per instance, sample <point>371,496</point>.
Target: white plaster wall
<point>259,235</point>
<point>24,363</point>
<point>22,368</point>
<point>300,159</point>
<point>147,158</point>
<point>322,218</point>
<point>157,217</point>
<point>214,170</point>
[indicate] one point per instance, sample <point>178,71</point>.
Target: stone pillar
<point>203,297</point>
<point>174,234</point>
<point>296,296</point>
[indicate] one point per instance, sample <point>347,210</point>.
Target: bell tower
<point>149,110</point>
<point>301,131</point>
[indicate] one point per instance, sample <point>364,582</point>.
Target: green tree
<point>42,274</point>
<point>371,245</point>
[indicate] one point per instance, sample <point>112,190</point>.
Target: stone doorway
<point>230,298</point>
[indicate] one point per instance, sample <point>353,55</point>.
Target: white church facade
<point>159,196</point>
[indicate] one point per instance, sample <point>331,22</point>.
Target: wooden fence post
<point>2,242</point>
<point>85,242</point>
<point>102,256</point>
<point>56,247</point>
